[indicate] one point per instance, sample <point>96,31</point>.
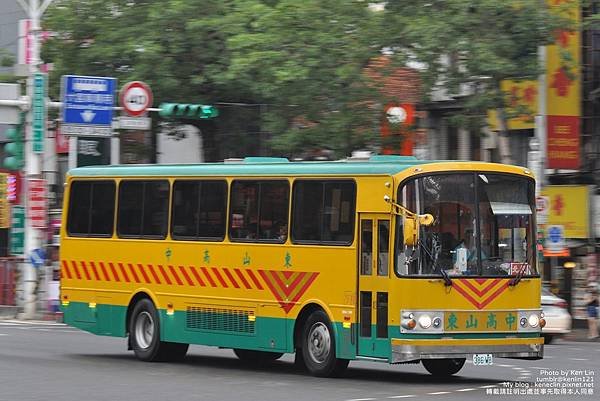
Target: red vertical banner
<point>563,142</point>
<point>37,202</point>
<point>62,142</point>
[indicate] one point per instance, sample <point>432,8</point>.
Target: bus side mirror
<point>411,231</point>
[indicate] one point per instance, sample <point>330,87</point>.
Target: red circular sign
<point>135,98</point>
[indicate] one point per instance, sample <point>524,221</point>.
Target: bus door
<point>373,284</point>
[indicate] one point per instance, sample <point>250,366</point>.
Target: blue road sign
<point>37,257</point>
<point>88,100</point>
<point>555,234</point>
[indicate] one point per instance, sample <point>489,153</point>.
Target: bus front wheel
<point>318,347</point>
<point>144,334</point>
<point>443,367</point>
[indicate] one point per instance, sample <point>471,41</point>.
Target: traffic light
<point>14,148</point>
<point>184,110</point>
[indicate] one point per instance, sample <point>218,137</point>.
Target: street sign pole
<point>33,236</point>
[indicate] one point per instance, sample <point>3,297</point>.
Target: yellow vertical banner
<point>563,90</point>
<point>4,205</point>
<point>522,105</point>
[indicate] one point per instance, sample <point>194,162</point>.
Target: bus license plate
<point>482,359</point>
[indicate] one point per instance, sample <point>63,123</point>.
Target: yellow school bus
<point>391,259</point>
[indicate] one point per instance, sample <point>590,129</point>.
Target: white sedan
<point>556,313</point>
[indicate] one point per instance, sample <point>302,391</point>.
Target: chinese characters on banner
<point>564,93</point>
<point>37,203</point>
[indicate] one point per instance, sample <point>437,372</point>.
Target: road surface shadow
<point>288,368</point>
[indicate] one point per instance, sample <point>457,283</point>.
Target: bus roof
<point>263,166</point>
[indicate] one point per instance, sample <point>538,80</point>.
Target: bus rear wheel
<point>318,347</point>
<point>247,355</point>
<point>443,367</point>
<point>144,334</point>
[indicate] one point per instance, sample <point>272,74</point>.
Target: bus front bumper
<point>406,350</point>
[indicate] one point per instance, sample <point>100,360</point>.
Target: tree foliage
<point>292,69</point>
<point>470,47</point>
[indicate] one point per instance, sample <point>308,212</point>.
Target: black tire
<point>318,347</point>
<point>443,367</point>
<point>548,338</point>
<point>144,336</point>
<point>251,356</point>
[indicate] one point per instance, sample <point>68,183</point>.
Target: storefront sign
<point>569,207</point>
<point>4,205</point>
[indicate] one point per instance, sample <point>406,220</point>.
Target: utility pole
<point>33,236</point>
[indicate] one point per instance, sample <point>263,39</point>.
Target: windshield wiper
<point>521,273</point>
<point>447,279</point>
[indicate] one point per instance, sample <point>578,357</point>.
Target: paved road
<point>50,361</point>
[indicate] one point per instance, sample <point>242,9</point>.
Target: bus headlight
<point>425,321</point>
<point>523,322</point>
<point>534,320</point>
<point>437,322</point>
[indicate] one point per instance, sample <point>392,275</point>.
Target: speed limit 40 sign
<point>135,98</point>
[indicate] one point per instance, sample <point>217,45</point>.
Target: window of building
<point>143,209</point>
<point>199,210</point>
<point>91,209</point>
<point>323,212</point>
<point>259,211</point>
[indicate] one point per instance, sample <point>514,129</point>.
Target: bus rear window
<point>91,209</point>
<point>323,212</point>
<point>143,209</point>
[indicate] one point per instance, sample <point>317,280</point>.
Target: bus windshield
<point>484,225</point>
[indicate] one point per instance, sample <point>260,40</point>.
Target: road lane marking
<point>579,359</point>
<point>488,386</point>
<point>466,389</point>
<point>402,396</point>
<point>362,399</point>
<point>439,393</point>
<point>2,334</point>
<point>507,366</point>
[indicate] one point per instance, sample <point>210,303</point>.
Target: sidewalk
<point>578,334</point>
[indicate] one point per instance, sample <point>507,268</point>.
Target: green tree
<point>476,45</point>
<point>292,69</point>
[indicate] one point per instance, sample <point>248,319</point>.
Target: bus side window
<point>259,211</point>
<point>143,208</point>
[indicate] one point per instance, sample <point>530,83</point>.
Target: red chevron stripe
<point>254,279</point>
<point>230,277</point>
<point>270,285</point>
<point>74,264</point>
<point>66,270</point>
<point>144,275</point>
<point>174,273</point>
<point>197,276</point>
<point>499,291</point>
<point>164,273</point>
<point>114,271</point>
<point>219,277</point>
<point>156,279</point>
<point>93,266</point>
<point>133,273</point>
<point>308,283</point>
<point>287,274</point>
<point>482,292</point>
<point>125,276</point>
<point>279,282</point>
<point>242,278</point>
<point>85,270</point>
<point>208,277</point>
<point>467,296</point>
<point>186,276</point>
<point>104,272</point>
